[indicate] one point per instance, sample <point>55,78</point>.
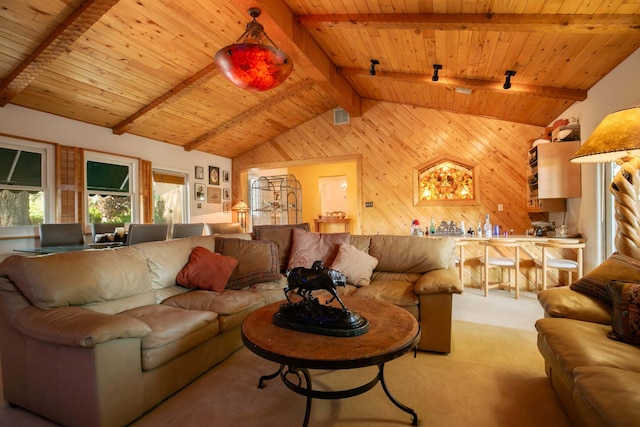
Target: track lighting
<point>372,69</point>
<point>436,67</point>
<point>507,79</point>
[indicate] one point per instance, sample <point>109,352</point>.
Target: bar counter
<point>471,252</point>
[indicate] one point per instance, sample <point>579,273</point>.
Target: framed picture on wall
<point>214,195</point>
<point>226,194</point>
<point>214,175</point>
<point>226,176</point>
<point>199,173</point>
<point>199,191</point>
<point>226,207</point>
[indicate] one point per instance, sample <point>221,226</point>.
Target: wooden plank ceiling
<point>146,68</point>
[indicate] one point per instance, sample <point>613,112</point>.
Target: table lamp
<point>242,208</point>
<point>617,138</point>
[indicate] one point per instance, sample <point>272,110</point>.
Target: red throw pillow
<point>206,270</point>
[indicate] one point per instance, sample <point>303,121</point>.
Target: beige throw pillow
<point>355,264</point>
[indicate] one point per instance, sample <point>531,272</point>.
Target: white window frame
<point>47,152</point>
<point>134,193</point>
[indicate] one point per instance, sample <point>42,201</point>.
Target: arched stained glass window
<point>445,181</point>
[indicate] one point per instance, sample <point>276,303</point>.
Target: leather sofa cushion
<point>232,306</point>
<point>361,241</point>
<point>568,344</point>
<point>225,303</point>
<point>565,302</point>
<point>411,254</point>
<point>174,331</point>
<point>107,280</point>
<point>607,396</point>
<point>399,293</point>
<point>166,259</point>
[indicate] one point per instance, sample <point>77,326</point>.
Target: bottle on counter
<point>470,231</point>
<point>432,227</point>
<point>487,227</point>
<point>479,230</point>
<point>463,231</point>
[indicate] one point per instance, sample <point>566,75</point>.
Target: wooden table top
<point>392,332</point>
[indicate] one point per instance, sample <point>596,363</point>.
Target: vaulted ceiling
<point>146,67</point>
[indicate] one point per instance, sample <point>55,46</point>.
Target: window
<point>110,189</point>
<point>25,199</point>
<point>170,199</point>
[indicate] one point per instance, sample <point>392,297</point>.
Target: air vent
<point>340,117</point>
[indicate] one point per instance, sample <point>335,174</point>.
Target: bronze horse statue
<point>318,277</point>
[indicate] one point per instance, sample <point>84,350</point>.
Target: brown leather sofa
<point>97,337</point>
<point>596,378</point>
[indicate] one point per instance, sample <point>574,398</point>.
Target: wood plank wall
<point>393,139</point>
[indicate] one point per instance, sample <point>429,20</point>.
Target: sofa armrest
<point>77,326</point>
<point>565,302</point>
<point>438,282</point>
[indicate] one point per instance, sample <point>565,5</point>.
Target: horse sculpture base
<point>310,316</point>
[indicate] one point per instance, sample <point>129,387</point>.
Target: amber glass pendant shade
<point>254,66</point>
<point>249,63</point>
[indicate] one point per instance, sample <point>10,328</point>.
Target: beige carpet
<point>493,377</point>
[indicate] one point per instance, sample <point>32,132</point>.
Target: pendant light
<point>249,63</point>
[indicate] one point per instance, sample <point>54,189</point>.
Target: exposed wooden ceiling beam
<point>280,25</point>
<point>543,91</point>
<point>172,95</point>
<point>277,98</point>
<point>587,24</point>
<point>53,46</point>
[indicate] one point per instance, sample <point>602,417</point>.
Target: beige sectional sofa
<point>100,337</point>
<point>584,339</point>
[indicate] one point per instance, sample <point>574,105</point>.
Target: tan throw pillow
<point>206,270</point>
<point>616,267</point>
<point>355,264</point>
<point>625,316</point>
<point>257,261</point>
<point>306,248</point>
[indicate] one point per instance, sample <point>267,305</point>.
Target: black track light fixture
<point>507,80</point>
<point>436,68</point>
<point>372,69</point>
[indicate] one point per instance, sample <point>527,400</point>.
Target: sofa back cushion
<point>107,281</point>
<point>411,254</point>
<point>281,235</point>
<point>167,258</point>
<point>360,241</point>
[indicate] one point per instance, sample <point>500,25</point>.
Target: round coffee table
<point>392,332</point>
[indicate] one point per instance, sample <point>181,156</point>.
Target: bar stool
<point>501,262</point>
<point>459,259</point>
<point>561,264</point>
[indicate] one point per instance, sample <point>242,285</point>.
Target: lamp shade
<point>241,206</point>
<point>253,66</point>
<point>617,136</point>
